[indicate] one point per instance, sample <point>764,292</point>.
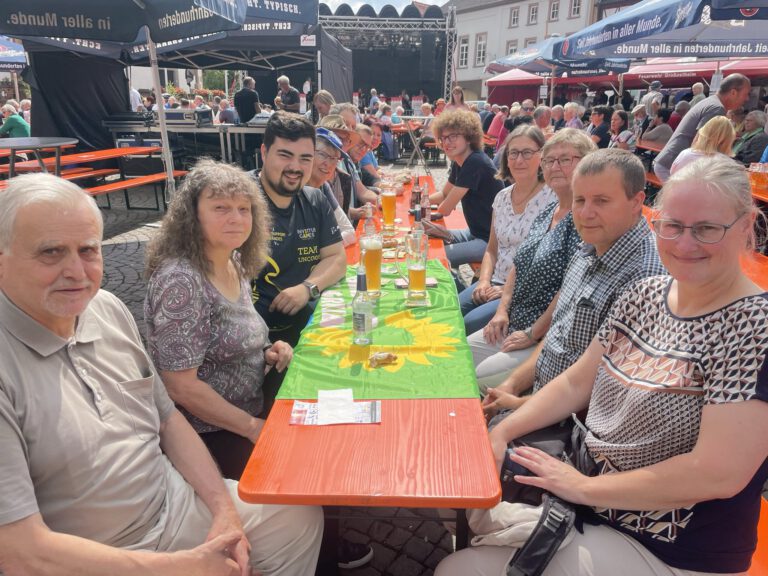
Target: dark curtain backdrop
<point>336,61</point>
<point>72,94</point>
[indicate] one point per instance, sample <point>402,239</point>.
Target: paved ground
<point>405,542</point>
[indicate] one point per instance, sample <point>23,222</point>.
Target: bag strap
<point>553,526</point>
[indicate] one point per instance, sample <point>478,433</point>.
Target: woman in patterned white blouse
<point>205,337</point>
<point>676,386</point>
<point>514,210</point>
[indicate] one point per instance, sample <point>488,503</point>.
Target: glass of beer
<point>416,246</point>
<point>388,201</point>
<point>370,247</point>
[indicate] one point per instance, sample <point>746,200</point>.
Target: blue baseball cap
<point>330,137</point>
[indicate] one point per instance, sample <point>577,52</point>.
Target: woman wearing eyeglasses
<point>676,386</point>
<point>472,181</point>
<point>514,210</point>
<point>537,270</point>
<point>457,100</point>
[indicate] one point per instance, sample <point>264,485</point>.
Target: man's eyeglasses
<point>323,157</point>
<point>563,161</point>
<point>705,232</point>
<point>449,137</point>
<point>527,154</point>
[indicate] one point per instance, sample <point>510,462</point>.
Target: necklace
<point>519,205</point>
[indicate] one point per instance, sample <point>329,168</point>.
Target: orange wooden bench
<point>79,173</point>
<point>128,183</point>
<point>83,157</point>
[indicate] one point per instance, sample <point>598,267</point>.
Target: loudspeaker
<point>427,69</point>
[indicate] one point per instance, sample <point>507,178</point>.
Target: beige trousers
<point>600,551</point>
<point>285,540</point>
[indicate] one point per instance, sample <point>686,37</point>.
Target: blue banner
<point>12,57</point>
<point>677,28</point>
<point>119,20</point>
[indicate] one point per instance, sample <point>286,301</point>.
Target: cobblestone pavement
<point>406,542</point>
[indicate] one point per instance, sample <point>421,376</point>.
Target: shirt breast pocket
<point>139,406</point>
<point>586,321</point>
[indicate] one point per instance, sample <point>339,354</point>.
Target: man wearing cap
<point>328,151</point>
<point>652,100</point>
<point>351,143</point>
<point>306,253</point>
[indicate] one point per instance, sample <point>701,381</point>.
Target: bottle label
<point>360,324</point>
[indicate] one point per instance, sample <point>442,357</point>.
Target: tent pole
<point>15,77</point>
<point>170,187</point>
<point>319,68</point>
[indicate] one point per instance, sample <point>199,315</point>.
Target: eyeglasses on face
<point>450,137</point>
<point>325,157</point>
<point>704,232</point>
<point>528,108</point>
<point>563,161</point>
<point>527,154</point>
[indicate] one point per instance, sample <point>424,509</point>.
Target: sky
<point>377,4</point>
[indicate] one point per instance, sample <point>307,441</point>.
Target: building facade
<point>487,30</point>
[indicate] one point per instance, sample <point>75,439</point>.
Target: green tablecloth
<point>434,360</point>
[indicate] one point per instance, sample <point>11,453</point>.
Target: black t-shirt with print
<point>298,234</point>
<point>478,175</point>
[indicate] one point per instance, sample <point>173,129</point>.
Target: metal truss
<point>450,49</point>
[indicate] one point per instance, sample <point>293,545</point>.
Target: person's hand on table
<point>496,400</point>
<point>479,294</point>
<point>290,300</point>
<point>279,355</point>
<point>518,340</point>
<point>495,331</point>
<point>551,474</point>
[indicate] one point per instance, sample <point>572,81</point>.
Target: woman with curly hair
<point>206,339</point>
<point>472,181</point>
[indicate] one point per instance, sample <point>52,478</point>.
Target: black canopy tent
<point>78,83</point>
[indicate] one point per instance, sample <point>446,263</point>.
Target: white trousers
<point>492,366</point>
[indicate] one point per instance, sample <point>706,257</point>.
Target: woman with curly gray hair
<point>208,342</point>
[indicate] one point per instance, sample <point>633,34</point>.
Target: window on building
<point>554,10</point>
<point>463,51</point>
<point>511,46</point>
<point>529,41</point>
<point>533,13</point>
<point>575,8</point>
<point>481,42</point>
<point>514,16</point>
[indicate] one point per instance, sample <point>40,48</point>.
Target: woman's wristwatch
<point>529,333</point>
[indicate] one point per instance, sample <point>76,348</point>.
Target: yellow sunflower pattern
<point>423,339</point>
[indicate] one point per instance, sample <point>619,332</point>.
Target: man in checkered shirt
<point>618,249</point>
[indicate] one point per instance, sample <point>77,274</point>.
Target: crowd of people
<point>581,305</point>
<point>16,119</point>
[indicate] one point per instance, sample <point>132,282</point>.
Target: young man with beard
<point>307,255</point>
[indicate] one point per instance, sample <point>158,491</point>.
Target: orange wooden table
<point>455,220</point>
<point>425,453</point>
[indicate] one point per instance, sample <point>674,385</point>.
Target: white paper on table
<point>335,406</point>
<point>305,413</point>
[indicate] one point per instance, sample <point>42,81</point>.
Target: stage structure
<point>414,34</point>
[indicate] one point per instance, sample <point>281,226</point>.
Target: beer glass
<point>370,247</point>
<point>388,202</point>
<point>416,247</point>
